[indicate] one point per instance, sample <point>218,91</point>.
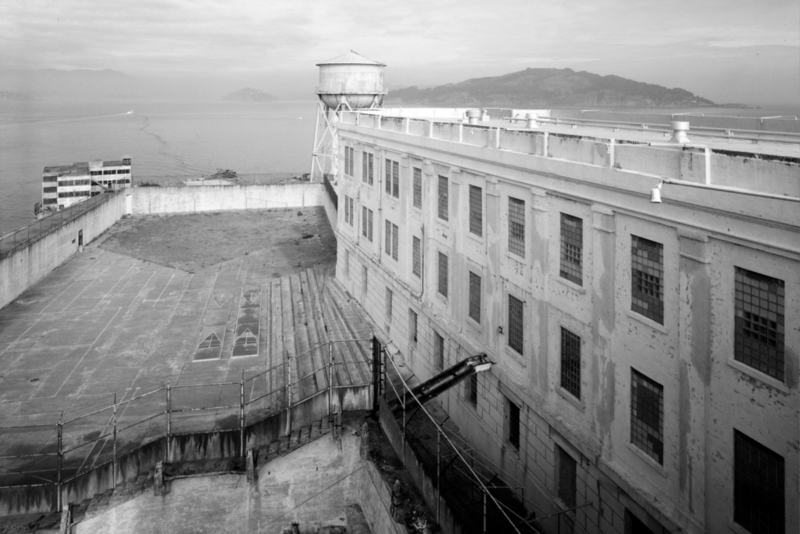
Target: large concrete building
<point>65,185</point>
<point>646,354</point>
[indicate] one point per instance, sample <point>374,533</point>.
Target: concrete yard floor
<point>312,485</point>
<point>164,300</point>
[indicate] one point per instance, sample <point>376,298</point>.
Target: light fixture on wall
<point>500,329</point>
<point>655,193</point>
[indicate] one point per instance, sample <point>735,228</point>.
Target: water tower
<point>346,83</point>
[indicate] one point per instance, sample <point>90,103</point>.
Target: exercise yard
<point>180,300</point>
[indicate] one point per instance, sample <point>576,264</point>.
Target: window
<point>416,257</point>
<point>476,210</point>
<point>392,240</point>
<point>417,188</point>
<point>348,210</point>
<point>647,415</point>
<point>49,189</point>
<point>348,160</point>
<point>412,326</point>
<point>567,472</point>
<point>759,328</point>
<point>471,390</point>
<point>516,227</point>
<point>515,324</point>
<point>438,351</point>
<point>571,362</point>
<point>634,525</point>
<point>364,278</point>
<point>758,486</point>
<point>647,272</point>
<point>367,169</point>
<point>347,263</point>
<point>53,178</point>
<point>443,197</point>
<point>443,274</point>
<point>572,248</point>
<point>475,297</point>
<point>366,222</point>
<point>388,305</point>
<point>512,419</point>
<point>393,178</point>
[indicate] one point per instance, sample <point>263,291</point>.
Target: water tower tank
<point>351,80</point>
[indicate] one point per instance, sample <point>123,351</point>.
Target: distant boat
<point>129,113</point>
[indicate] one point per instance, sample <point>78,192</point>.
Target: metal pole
<point>169,423</point>
<point>241,416</point>
<point>330,379</point>
<point>484,510</point>
<point>287,385</point>
<point>60,445</point>
<point>404,424</point>
<point>438,472</point>
<point>114,463</point>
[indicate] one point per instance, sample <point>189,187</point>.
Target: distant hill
<point>549,87</point>
<point>248,94</point>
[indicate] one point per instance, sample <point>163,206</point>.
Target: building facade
<point>65,185</point>
<point>646,355</point>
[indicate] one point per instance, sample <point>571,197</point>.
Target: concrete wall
<point>27,266</point>
<point>375,497</point>
<point>161,200</point>
<point>705,234</point>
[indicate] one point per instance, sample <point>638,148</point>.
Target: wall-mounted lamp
<point>499,329</point>
<point>655,193</point>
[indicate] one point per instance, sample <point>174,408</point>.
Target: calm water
<point>164,139</point>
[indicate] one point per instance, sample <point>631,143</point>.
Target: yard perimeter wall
<point>164,200</point>
<point>28,265</point>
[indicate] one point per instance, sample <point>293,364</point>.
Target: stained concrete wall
<point>704,235</point>
<point>161,200</point>
<point>27,266</point>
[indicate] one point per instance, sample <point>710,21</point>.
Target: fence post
<point>241,416</point>
<point>330,379</point>
<point>376,365</point>
<point>169,423</point>
<point>404,425</point>
<point>288,386</point>
<point>114,462</point>
<point>484,511</point>
<point>60,451</point>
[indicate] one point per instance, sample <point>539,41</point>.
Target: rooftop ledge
<point>750,161</point>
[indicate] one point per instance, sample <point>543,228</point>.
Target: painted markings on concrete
<point>247,323</point>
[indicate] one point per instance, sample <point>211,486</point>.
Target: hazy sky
<point>725,50</point>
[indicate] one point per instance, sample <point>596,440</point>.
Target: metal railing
<point>73,447</point>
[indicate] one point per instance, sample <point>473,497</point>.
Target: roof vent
<point>679,129</point>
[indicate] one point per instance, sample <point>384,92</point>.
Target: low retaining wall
<point>164,200</point>
<point>375,497</point>
<point>28,265</point>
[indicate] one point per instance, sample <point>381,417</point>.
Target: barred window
<point>348,160</point>
<point>367,171</point>
<point>392,239</point>
<point>387,179</point>
<point>572,248</point>
<point>364,221</point>
<point>412,326</point>
<point>516,226</point>
<point>647,415</point>
<point>443,274</point>
<point>476,210</point>
<point>347,209</point>
<point>571,362</point>
<point>416,257</point>
<point>352,211</point>
<point>347,263</point>
<point>393,178</point>
<point>417,188</point>
<point>512,432</point>
<point>758,486</point>
<point>472,389</point>
<point>438,351</point>
<point>647,274</point>
<point>475,297</point>
<point>443,197</point>
<point>515,324</point>
<point>369,224</point>
<point>759,322</point>
<point>364,279</point>
<point>388,305</point>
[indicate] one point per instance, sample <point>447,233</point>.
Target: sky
<point>725,50</point>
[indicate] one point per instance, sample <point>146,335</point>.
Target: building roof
<point>79,167</point>
<point>351,58</point>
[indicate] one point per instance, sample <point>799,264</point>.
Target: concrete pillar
<point>252,469</point>
<point>539,257</point>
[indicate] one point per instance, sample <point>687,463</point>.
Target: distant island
<point>248,94</point>
<point>10,95</point>
<point>549,87</point>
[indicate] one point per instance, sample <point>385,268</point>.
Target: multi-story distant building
<point>65,185</point>
<point>646,354</point>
